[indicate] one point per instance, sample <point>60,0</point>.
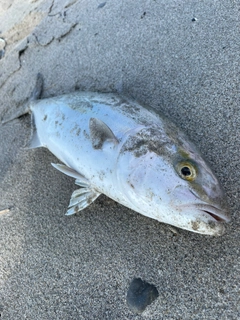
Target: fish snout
<point>216,213</point>
<point>210,219</point>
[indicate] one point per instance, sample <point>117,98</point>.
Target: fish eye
<point>187,171</point>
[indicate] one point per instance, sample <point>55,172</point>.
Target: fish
<point>112,145</point>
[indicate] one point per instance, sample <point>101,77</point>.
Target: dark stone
<point>101,5</point>
<point>140,294</point>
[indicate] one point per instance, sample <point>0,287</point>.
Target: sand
<point>180,57</point>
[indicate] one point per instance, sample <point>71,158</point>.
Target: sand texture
<point>181,58</point>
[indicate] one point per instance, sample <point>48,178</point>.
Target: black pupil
<point>186,171</point>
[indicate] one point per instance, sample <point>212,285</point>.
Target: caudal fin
<point>37,90</point>
<point>25,108</point>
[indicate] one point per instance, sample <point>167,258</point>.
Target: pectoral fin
<point>100,133</point>
<point>81,198</point>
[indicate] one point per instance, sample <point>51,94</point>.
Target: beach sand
<point>181,58</point>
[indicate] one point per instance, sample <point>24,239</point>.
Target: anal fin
<point>80,179</point>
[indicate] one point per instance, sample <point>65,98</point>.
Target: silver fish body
<point>112,145</point>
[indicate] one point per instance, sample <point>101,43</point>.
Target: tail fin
<point>37,91</point>
<point>25,108</point>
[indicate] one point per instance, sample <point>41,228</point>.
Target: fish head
<point>177,187</point>
<point>198,197</point>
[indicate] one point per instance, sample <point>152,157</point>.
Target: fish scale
<point>112,145</point>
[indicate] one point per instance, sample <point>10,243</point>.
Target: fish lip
<point>216,213</point>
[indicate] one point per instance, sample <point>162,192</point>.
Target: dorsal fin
<point>100,133</point>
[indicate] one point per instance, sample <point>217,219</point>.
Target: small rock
<point>101,5</point>
<point>140,294</point>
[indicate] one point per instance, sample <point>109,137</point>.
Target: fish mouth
<point>215,213</point>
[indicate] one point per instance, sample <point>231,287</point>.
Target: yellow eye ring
<point>187,171</point>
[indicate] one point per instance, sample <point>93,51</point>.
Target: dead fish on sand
<point>112,145</point>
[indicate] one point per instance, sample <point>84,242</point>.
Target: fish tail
<point>26,107</point>
<point>37,90</point>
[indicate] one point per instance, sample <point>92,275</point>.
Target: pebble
<point>140,294</point>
